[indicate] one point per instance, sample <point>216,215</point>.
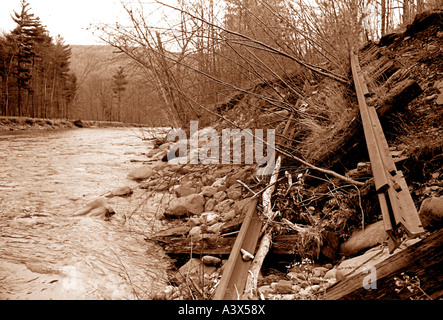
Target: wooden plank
<point>234,276</point>
<point>207,246</point>
<point>423,259</point>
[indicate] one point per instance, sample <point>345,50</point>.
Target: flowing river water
<point>45,251</point>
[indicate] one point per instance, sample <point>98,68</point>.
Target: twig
<point>246,186</point>
<point>126,272</point>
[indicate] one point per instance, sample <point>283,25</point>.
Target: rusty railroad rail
<point>396,204</point>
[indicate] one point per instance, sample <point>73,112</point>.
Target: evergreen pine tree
<point>118,87</point>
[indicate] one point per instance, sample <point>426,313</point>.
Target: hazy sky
<point>68,18</point>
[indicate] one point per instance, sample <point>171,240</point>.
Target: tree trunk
<point>383,17</point>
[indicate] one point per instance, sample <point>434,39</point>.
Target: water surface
<point>45,252</point>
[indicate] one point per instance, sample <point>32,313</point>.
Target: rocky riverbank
<point>204,206</point>
<point>27,123</point>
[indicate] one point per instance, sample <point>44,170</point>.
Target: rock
<point>328,266</point>
<point>315,280</point>
<point>208,191</point>
<point>315,288</point>
<point>195,203</point>
<point>175,231</point>
<point>234,194</point>
<point>283,286</point>
<point>236,175</point>
<point>292,275</point>
<point>210,204</point>
<point>241,206</point>
<point>192,204</point>
<point>141,173</point>
<point>195,231</point>
<point>331,274</point>
<point>371,236</point>
<point>195,270</point>
<point>301,276</point>
<point>209,218</point>
<point>319,271</point>
<point>219,196</point>
<point>265,290</point>
<point>185,189</point>
<point>431,213</point>
<point>305,291</point>
<point>211,261</point>
<point>194,221</point>
<point>224,206</point>
<point>120,192</point>
<point>220,184</point>
<point>161,187</point>
<point>96,208</point>
<point>208,180</point>
<point>439,86</point>
<point>215,228</point>
<point>228,215</point>
<point>169,291</point>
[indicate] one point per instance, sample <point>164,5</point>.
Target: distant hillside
<point>87,59</point>
<point>94,67</point>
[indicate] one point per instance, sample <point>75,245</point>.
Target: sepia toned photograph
<point>246,151</point>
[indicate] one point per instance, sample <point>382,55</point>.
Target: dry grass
<point>329,112</point>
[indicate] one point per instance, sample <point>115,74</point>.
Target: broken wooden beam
<point>215,245</point>
<point>424,259</point>
<point>398,97</point>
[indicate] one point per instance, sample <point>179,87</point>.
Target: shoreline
<point>28,123</point>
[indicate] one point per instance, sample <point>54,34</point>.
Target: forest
<point>203,54</point>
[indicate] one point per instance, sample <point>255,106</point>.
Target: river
<point>46,252</point>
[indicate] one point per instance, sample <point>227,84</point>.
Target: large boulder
<point>361,239</point>
<point>141,173</point>
<point>431,213</point>
<point>188,205</point>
